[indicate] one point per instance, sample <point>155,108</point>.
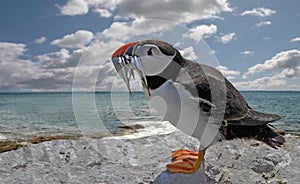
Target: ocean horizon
<point>25,115</point>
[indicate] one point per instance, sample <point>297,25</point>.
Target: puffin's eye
<point>149,52</point>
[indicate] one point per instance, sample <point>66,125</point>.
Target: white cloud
<point>11,51</point>
<point>276,81</point>
<point>284,65</point>
<point>81,7</point>
<point>226,38</point>
<point>213,52</point>
<point>177,11</point>
<point>75,40</point>
<point>102,12</point>
<point>94,70</point>
<point>247,53</point>
<point>99,52</point>
<point>229,74</point>
<point>297,39</point>
<point>294,86</point>
<point>107,4</point>
<point>289,73</point>
<point>55,71</point>
<point>138,27</point>
<point>263,23</point>
<point>202,31</point>
<point>267,38</point>
<point>263,83</point>
<point>14,72</point>
<point>260,12</point>
<point>40,40</point>
<point>189,53</point>
<point>74,7</point>
<point>60,59</point>
<point>282,60</point>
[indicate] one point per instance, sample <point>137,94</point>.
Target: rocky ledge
<point>122,160</point>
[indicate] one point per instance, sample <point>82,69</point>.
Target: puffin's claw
<point>185,161</point>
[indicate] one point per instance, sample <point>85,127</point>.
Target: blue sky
<point>47,45</point>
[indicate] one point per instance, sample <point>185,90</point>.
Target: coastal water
<point>25,115</point>
<point>284,103</point>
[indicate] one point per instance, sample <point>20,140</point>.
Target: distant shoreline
<point>8,145</point>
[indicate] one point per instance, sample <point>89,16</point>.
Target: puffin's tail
<point>258,118</point>
<point>262,133</point>
<point>270,137</point>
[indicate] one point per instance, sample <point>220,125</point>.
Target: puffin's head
<point>147,58</point>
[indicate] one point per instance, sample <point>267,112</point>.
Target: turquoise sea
<point>25,115</point>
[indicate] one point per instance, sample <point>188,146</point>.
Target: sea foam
<point>151,128</point>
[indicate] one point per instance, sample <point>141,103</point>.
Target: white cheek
<point>155,65</point>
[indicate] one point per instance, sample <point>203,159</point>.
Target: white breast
<point>177,106</point>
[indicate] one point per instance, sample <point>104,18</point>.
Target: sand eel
<point>182,91</point>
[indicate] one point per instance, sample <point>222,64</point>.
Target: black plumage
<point>240,120</point>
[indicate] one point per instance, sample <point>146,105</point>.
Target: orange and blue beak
<point>126,49</point>
<point>126,62</point>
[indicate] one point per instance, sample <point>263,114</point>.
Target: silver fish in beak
<point>126,63</point>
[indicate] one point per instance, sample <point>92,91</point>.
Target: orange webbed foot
<point>185,161</point>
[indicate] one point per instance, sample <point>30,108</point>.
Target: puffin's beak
<point>125,49</point>
<point>120,59</point>
<point>125,62</point>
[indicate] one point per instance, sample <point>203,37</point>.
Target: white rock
<point>143,160</point>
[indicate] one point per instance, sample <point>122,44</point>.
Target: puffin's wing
<point>237,111</point>
<point>256,118</point>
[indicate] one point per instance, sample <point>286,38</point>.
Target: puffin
<point>194,97</point>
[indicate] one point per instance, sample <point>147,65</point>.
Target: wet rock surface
<point>120,160</point>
